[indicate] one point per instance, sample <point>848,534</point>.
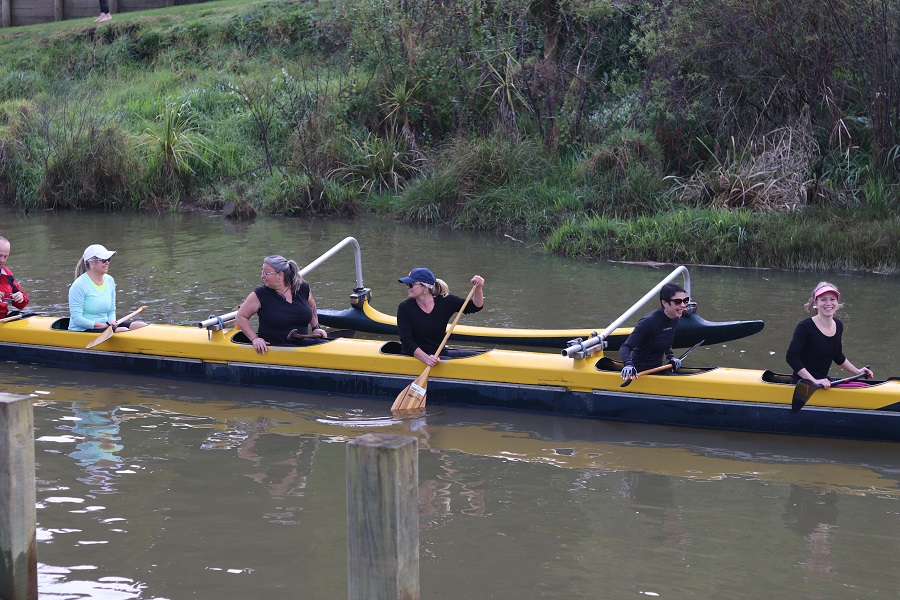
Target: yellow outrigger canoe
<point>580,382</point>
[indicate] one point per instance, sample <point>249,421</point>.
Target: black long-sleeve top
<point>419,329</point>
<point>650,341</point>
<point>814,350</point>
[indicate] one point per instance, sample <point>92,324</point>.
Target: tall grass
<point>736,238</point>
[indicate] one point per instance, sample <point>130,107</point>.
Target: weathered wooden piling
<point>18,541</point>
<point>383,518</point>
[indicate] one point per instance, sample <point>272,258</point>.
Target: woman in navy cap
<point>817,340</point>
<point>422,318</point>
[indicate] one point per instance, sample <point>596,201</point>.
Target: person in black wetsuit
<point>422,318</point>
<point>284,302</point>
<point>817,340</point>
<point>654,334</point>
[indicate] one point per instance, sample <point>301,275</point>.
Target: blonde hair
<point>811,303</point>
<point>80,268</point>
<point>438,288</point>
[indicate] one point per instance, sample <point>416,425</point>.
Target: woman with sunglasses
<point>422,318</point>
<point>652,337</point>
<point>283,302</point>
<point>817,340</point>
<point>92,296</point>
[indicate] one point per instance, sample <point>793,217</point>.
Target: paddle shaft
<point>130,315</point>
<point>455,321</point>
<point>799,400</point>
<point>861,375</point>
<point>411,393</point>
<point>304,336</point>
<point>663,367</point>
<point>12,318</point>
<point>107,333</point>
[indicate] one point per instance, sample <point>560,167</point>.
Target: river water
<point>151,488</point>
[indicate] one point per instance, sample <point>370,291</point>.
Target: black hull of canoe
<point>759,417</point>
<point>691,329</point>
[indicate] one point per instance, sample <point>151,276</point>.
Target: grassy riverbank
<point>600,127</point>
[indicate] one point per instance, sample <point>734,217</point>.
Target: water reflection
<point>97,452</point>
<point>651,492</point>
<point>813,515</point>
<point>241,493</point>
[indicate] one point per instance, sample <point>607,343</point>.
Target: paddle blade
<point>803,390</point>
<point>107,333</point>
<point>627,382</point>
<point>413,396</point>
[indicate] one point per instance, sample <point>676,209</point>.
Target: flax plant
<point>173,142</point>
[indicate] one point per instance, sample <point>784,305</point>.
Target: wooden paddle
<point>413,395</point>
<point>332,335</point>
<point>805,388</point>
<point>107,333</point>
<point>627,382</point>
<point>12,318</point>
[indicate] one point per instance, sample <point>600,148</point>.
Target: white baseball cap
<point>97,251</point>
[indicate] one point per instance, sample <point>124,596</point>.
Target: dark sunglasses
<point>103,260</point>
<point>679,301</point>
<point>410,285</point>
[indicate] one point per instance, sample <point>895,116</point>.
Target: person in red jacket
<point>10,292</point>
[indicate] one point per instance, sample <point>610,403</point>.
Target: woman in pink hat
<point>817,340</point>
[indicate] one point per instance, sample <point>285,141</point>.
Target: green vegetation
<point>736,133</point>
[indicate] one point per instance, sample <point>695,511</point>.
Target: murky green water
<point>150,488</point>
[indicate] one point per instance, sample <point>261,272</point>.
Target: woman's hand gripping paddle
<point>109,331</point>
<point>413,396</point>
<point>806,387</point>
<point>662,368</point>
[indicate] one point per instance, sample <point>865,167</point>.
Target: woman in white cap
<point>422,318</point>
<point>817,340</point>
<point>92,296</point>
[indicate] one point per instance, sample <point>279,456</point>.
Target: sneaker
<point>103,17</point>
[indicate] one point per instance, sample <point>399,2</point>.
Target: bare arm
<point>249,308</point>
<point>848,366</point>
<point>314,323</point>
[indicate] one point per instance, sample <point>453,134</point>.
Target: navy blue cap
<point>419,274</point>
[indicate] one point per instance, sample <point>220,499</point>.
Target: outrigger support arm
<point>580,349</point>
<point>216,323</point>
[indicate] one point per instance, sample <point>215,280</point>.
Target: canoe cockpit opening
<point>394,347</point>
<point>608,365</point>
<point>785,379</point>
<point>773,377</point>
<point>240,338</point>
<point>61,324</point>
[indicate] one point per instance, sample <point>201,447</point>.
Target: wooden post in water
<point>18,541</point>
<point>383,518</point>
